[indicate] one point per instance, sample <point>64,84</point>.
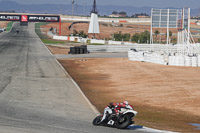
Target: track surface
<point>93,55</point>
<point>36,96</point>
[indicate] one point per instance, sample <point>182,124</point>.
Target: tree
<point>170,35</point>
<point>122,13</point>
<point>135,37</point>
<point>119,36</point>
<point>82,34</point>
<point>75,32</point>
<point>126,37</point>
<point>174,40</point>
<point>156,33</point>
<point>141,14</point>
<point>143,37</point>
<point>114,12</point>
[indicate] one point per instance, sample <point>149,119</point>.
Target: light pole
<point>73,1</point>
<point>85,8</point>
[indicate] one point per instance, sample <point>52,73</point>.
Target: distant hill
<point>79,9</point>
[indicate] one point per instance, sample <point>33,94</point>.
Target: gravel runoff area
<point>3,24</point>
<point>166,97</point>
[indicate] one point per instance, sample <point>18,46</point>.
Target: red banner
<point>24,18</point>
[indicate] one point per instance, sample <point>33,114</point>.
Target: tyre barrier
<point>178,60</point>
<point>145,57</point>
<point>187,61</point>
<point>198,60</point>
<point>194,61</point>
<point>79,50</point>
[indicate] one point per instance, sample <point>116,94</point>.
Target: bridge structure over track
<point>24,19</point>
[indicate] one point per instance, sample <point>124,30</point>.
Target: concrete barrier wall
<point>97,41</point>
<point>60,37</point>
<point>76,39</point>
<point>69,38</point>
<point>128,43</point>
<point>114,42</point>
<point>139,47</point>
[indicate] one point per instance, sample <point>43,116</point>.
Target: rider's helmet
<point>125,103</point>
<point>111,105</point>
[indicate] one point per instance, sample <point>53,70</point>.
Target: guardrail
<point>139,47</point>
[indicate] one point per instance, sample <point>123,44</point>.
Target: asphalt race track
<point>36,96</point>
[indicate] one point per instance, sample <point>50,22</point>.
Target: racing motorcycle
<point>121,120</point>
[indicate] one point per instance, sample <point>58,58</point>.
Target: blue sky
<point>137,3</point>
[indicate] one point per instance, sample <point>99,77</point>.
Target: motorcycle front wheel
<point>124,122</point>
<point>97,120</point>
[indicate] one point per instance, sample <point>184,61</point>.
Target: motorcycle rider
<point>17,31</point>
<point>125,105</point>
<point>110,109</point>
<point>115,108</point>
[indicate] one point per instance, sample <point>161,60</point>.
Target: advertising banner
<point>6,17</point>
<point>41,18</point>
<point>24,18</point>
<point>29,18</point>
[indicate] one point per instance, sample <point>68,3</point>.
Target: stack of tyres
<point>79,50</point>
<point>84,47</point>
<point>72,50</point>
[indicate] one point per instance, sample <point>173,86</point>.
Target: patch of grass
<point>9,26</point>
<point>49,41</point>
<point>45,39</point>
<point>38,31</point>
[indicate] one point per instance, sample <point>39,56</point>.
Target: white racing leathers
<point>107,110</point>
<point>120,116</point>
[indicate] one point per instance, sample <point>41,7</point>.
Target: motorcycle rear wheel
<point>125,123</point>
<point>97,120</point>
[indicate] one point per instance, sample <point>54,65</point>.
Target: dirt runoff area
<point>58,50</point>
<point>3,24</point>
<point>165,97</point>
<point>107,29</point>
